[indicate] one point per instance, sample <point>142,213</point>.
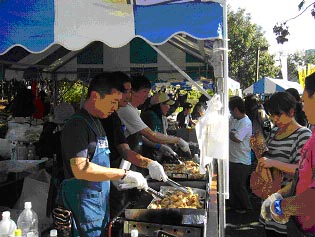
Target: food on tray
<point>188,169</point>
<point>177,199</point>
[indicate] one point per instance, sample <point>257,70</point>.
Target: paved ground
<point>245,225</point>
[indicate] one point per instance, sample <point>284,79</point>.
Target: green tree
<point>245,38</point>
<point>71,92</point>
<point>281,30</point>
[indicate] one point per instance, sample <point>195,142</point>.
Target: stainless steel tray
<point>167,190</point>
<point>177,171</point>
<point>170,216</point>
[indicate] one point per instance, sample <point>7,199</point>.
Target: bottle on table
<point>31,154</point>
<point>13,150</point>
<point>21,151</point>
<point>13,143</point>
<point>7,226</point>
<point>28,221</point>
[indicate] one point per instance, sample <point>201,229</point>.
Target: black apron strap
<point>79,116</point>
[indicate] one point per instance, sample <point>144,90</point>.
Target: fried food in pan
<point>188,167</point>
<point>177,199</point>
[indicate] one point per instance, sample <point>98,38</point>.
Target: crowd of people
<point>105,150</point>
<point>108,147</point>
<point>284,124</point>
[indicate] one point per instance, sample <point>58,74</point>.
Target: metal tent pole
<point>224,164</point>
<point>55,90</point>
<point>184,74</point>
<point>221,60</point>
<point>220,183</point>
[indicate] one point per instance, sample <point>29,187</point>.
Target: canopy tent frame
<point>196,50</point>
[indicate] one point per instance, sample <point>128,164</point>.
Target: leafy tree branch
<point>282,30</point>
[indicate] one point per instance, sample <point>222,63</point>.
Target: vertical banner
<point>302,75</point>
<point>310,69</point>
<point>304,72</point>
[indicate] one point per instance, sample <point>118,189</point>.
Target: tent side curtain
<point>36,25</point>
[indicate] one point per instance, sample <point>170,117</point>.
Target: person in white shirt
<point>240,155</point>
<point>136,129</point>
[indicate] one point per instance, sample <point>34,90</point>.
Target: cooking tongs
<point>177,185</point>
<point>155,193</point>
<point>175,157</point>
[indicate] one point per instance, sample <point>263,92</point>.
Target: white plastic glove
<point>156,171</point>
<point>167,151</point>
<point>265,207</point>
<point>183,145</point>
<point>134,180</point>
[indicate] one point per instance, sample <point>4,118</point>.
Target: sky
<point>266,13</point>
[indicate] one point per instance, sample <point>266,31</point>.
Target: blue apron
<point>88,200</point>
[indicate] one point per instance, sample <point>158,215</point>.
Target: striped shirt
<point>286,150</point>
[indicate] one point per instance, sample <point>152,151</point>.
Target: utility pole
<point>258,49</point>
<point>257,63</point>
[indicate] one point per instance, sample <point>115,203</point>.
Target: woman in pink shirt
<point>295,202</point>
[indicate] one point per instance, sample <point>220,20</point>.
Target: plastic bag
<point>212,131</point>
<point>23,132</point>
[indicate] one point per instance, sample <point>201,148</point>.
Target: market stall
<point>39,25</point>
